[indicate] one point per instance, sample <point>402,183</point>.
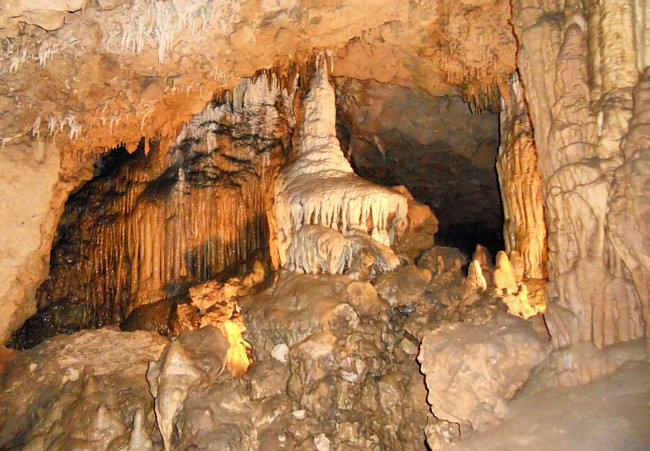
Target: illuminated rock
<point>504,275</point>
<point>319,189</point>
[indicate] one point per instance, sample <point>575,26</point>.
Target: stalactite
<point>149,226</point>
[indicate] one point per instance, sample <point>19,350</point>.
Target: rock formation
<point>497,359</point>
<point>319,188</point>
<point>153,224</point>
<point>208,183</point>
<point>524,228</point>
<point>579,66</point>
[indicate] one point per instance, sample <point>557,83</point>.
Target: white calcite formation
<point>320,189</point>
<point>316,249</point>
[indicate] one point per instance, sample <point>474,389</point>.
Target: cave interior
<point>325,225</point>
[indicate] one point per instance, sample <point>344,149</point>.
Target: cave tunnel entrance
<point>444,154</point>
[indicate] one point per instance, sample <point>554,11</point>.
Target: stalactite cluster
<point>168,219</point>
<point>476,61</point>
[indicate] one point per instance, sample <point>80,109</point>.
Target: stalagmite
<point>170,380</point>
<point>504,275</point>
<point>316,249</point>
<point>320,189</point>
<point>475,283</point>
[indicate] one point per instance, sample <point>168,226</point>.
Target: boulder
<point>471,371</point>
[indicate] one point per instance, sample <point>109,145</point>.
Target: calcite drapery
<point>579,66</point>
<point>524,229</point>
<point>320,188</point>
<point>183,216</point>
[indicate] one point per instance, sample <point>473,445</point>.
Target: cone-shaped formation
<point>320,188</point>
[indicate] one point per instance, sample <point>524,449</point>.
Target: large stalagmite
<point>320,188</point>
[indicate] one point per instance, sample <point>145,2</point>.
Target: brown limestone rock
<point>70,390</point>
<point>403,285</point>
<point>472,371</point>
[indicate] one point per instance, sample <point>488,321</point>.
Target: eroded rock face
<point>579,66</point>
<point>497,357</point>
<point>148,226</point>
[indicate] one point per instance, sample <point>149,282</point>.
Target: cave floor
<point>337,364</point>
<point>609,413</point>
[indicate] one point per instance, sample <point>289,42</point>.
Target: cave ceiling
<point>90,75</point>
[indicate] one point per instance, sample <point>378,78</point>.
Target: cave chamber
<point>324,225</point>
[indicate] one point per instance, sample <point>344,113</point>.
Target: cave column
<point>579,64</point>
<point>520,183</point>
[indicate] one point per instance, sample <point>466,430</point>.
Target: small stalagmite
<point>475,283</point>
<point>504,274</point>
<point>484,259</point>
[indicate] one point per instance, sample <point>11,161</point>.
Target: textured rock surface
<point>80,390</point>
<point>579,66</point>
<point>608,413</point>
<point>629,211</point>
<point>524,229</point>
<point>114,71</point>
<point>329,354</point>
<point>150,225</point>
<point>496,361</point>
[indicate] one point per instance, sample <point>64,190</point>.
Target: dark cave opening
<point>435,146</point>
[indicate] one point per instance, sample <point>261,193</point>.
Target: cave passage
<point>324,225</point>
<point>147,227</point>
<point>444,154</point>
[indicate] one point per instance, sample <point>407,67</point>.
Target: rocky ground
<point>418,355</point>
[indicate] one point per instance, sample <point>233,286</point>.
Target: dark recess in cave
<point>444,154</point>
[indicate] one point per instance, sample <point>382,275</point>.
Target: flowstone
<point>319,189</point>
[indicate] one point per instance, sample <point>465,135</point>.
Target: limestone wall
<point>579,67</point>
